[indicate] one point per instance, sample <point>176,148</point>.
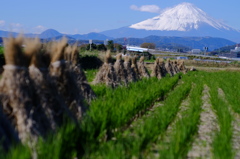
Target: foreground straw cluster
<point>129,70</point>
<point>41,87</point>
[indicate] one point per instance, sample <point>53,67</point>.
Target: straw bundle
<point>134,67</point>
<point>65,79</point>
<point>121,73</point>
<point>131,77</point>
<point>156,70</point>
<point>17,94</point>
<point>169,67</point>
<point>45,91</point>
<point>143,72</point>
<point>81,79</point>
<point>106,73</point>
<point>174,64</point>
<point>181,66</point>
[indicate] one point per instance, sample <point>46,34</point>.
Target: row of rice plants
<point>222,143</point>
<point>133,141</point>
<point>117,107</point>
<point>180,139</point>
<point>108,112</point>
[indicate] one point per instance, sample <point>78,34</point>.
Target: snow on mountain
<point>183,17</point>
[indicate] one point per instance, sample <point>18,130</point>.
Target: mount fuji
<point>182,20</point>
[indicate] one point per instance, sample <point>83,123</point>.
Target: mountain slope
<point>189,42</point>
<point>49,33</point>
<point>183,20</point>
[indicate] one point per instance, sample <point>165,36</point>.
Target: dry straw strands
<point>106,74</point>
<point>181,66</point>
<point>131,77</point>
<point>65,79</point>
<point>17,94</point>
<point>81,79</point>
<point>121,73</point>
<point>169,68</point>
<point>134,67</point>
<point>45,91</point>
<point>156,70</point>
<point>143,72</point>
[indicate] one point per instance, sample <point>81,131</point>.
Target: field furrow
<point>235,126</point>
<point>165,139</point>
<point>201,147</point>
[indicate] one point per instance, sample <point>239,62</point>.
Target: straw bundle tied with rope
<point>134,68</point>
<point>169,67</point>
<point>45,91</point>
<point>131,77</point>
<point>156,70</point>
<point>181,66</point>
<point>65,79</point>
<point>16,93</point>
<point>121,73</point>
<point>106,74</point>
<point>143,72</point>
<point>82,83</point>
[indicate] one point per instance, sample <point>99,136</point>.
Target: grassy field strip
<point>117,107</point>
<point>235,127</point>
<point>222,143</point>
<point>165,138</point>
<point>140,117</point>
<point>134,140</point>
<point>201,146</point>
<point>177,139</point>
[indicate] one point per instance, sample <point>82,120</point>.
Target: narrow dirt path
<point>235,126</point>
<point>201,147</point>
<point>165,138</point>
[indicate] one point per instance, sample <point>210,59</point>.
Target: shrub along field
<point>193,115</point>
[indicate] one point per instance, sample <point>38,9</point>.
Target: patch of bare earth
<point>201,147</point>
<point>165,139</point>
<point>235,126</point>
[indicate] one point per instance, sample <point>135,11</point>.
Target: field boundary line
<point>235,126</point>
<point>208,125</point>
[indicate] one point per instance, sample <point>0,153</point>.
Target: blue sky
<point>80,16</point>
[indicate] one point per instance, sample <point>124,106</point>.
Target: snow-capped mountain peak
<point>183,17</point>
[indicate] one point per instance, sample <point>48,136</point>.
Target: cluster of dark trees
<point>113,47</point>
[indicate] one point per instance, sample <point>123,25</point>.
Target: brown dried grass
<point>131,77</point>
<point>16,93</point>
<point>81,78</point>
<point>65,79</point>
<point>106,74</point>
<point>121,73</point>
<point>143,72</point>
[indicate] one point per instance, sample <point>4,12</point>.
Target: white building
<point>196,51</point>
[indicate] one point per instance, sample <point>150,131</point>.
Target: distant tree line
<point>113,47</point>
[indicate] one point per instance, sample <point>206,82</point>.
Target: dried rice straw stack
<point>17,94</point>
<point>131,77</point>
<point>143,72</point>
<point>121,73</point>
<point>81,79</point>
<point>106,73</point>
<point>134,68</point>
<point>162,67</point>
<point>181,66</point>
<point>169,68</point>
<point>45,91</point>
<point>65,79</point>
<point>156,70</point>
